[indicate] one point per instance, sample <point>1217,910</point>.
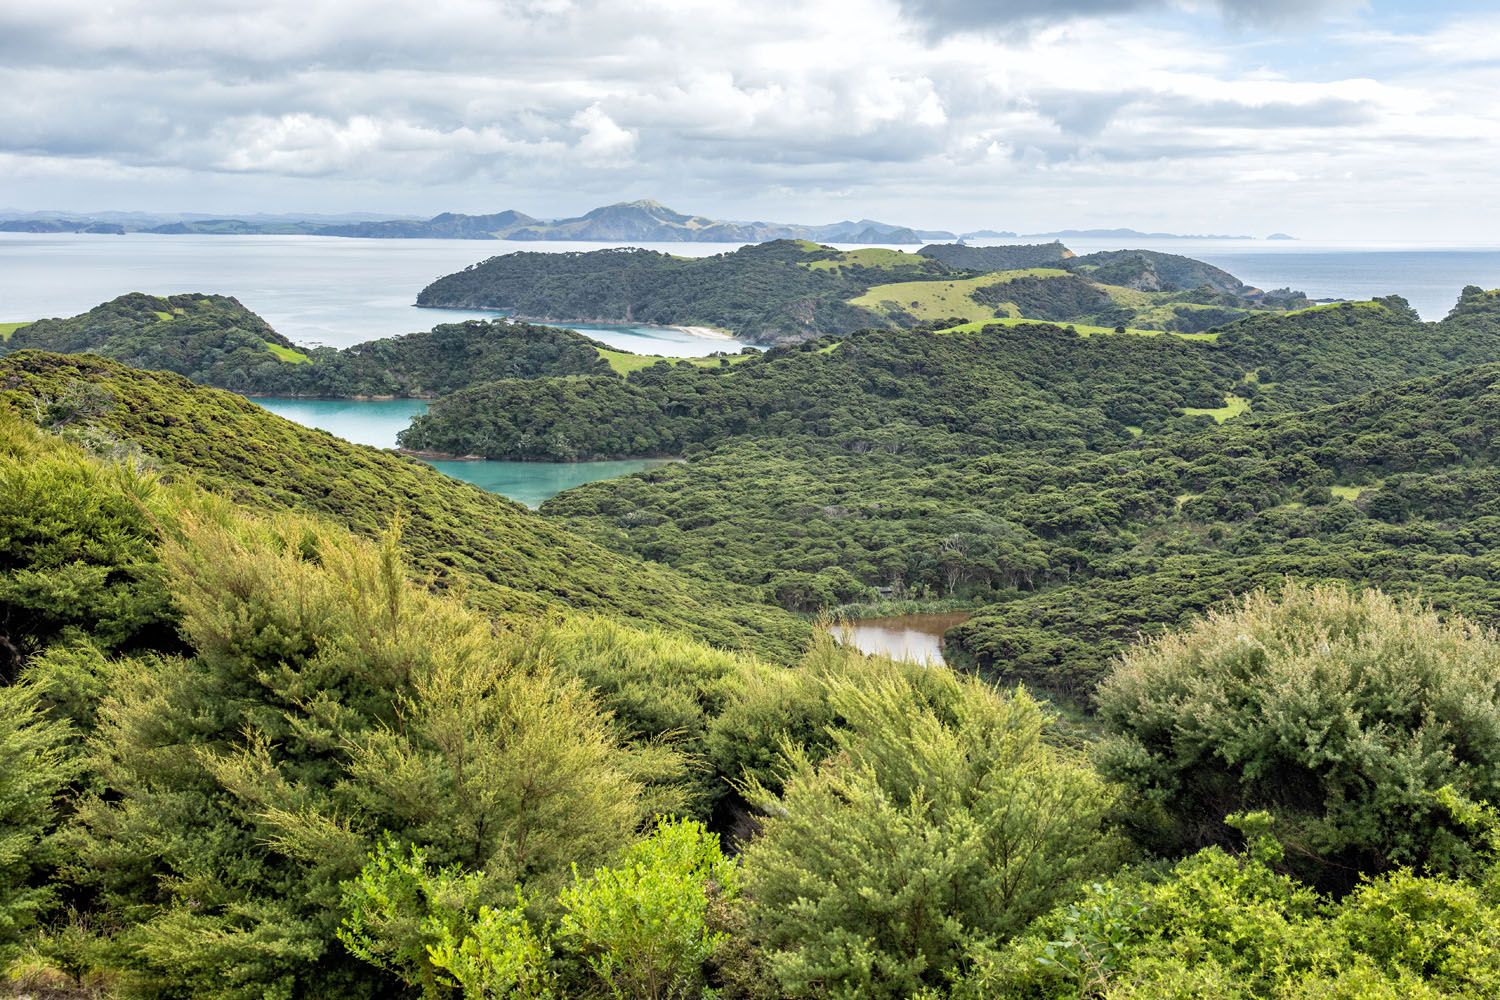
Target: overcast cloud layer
<point>1328,119</point>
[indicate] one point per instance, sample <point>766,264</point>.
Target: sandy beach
<point>705,331</point>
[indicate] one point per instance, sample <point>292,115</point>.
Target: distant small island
<point>1132,234</point>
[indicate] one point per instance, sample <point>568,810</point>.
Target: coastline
<point>702,332</point>
<point>706,332</point>
<point>443,456</point>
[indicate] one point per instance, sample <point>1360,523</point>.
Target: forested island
<point>283,716</point>
<point>216,341</point>
<point>790,290</point>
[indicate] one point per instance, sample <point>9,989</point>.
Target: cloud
<point>602,140</point>
<point>930,112</point>
<point>943,17</point>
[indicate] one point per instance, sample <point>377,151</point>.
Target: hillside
<point>504,558</point>
<point>787,291</point>
<point>1030,383</point>
<point>963,257</point>
<point>216,341</point>
<point>767,293</point>
<point>1150,271</point>
<point>212,338</point>
<point>1394,489</point>
<point>963,378</point>
<point>999,464</point>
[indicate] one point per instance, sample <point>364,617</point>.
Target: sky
<point>1328,119</point>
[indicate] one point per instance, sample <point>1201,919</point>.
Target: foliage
<point>35,768</point>
<point>1341,713</point>
<point>1233,926</point>
<point>787,291</point>
<point>214,340</point>
<point>75,549</point>
<point>244,754</point>
<point>641,925</point>
<point>912,472</point>
<point>500,958</point>
<point>1000,386</point>
<point>328,704</point>
<point>400,915</point>
<point>211,337</point>
<point>923,839</point>
<point>1000,258</point>
<point>760,292</point>
<point>499,556</point>
<point>664,692</point>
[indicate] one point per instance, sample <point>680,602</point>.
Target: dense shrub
<point>35,768</point>
<point>1341,712</point>
<point>1234,927</point>
<point>328,703</point>
<point>879,871</point>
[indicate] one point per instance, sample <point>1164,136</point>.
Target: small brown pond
<point>904,637</point>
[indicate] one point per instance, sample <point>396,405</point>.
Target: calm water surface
<point>376,422</point>
<point>316,290</point>
<point>327,290</point>
<point>918,638</point>
<point>1429,276</point>
<point>533,482</point>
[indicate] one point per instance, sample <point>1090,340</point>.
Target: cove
<point>376,422</point>
<point>918,637</point>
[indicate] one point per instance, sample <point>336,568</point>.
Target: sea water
<point>376,422</point>
<point>314,290</point>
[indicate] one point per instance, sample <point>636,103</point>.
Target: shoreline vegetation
<point>439,456</point>
<point>897,607</point>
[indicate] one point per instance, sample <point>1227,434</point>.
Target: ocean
<point>326,290</point>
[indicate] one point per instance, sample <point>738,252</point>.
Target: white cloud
<point>772,109</point>
<point>602,141</point>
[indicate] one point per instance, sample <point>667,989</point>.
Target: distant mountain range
<point>634,221</point>
<point>628,221</point>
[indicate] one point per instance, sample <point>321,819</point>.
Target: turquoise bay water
<point>533,482</point>
<point>376,422</point>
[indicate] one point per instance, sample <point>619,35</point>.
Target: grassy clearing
<point>288,355</point>
<point>1348,492</point>
<point>831,347</point>
<point>876,257</point>
<point>623,362</point>
<point>1083,329</point>
<point>933,300</point>
<point>1135,431</point>
<point>1329,306</point>
<point>6,329</point>
<point>1130,298</point>
<point>1233,407</point>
